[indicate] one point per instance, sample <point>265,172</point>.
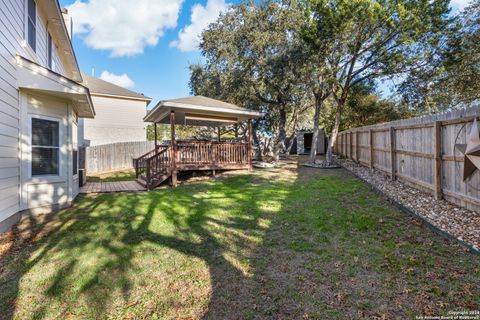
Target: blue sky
<point>146,45</point>
<point>159,69</point>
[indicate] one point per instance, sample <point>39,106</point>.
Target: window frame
<point>34,23</point>
<point>60,143</point>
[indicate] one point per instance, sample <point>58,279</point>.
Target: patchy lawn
<point>282,244</point>
<point>114,176</point>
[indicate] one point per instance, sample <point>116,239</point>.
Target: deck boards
<point>104,187</point>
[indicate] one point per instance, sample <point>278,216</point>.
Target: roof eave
<point>35,77</point>
<point>185,106</point>
<point>100,94</point>
<point>57,23</point>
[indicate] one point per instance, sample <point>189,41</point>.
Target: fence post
<point>351,145</point>
<point>357,147</point>
<point>341,144</point>
<point>370,134</point>
<point>437,167</point>
<point>392,154</point>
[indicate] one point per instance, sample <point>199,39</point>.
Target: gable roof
<point>199,111</point>
<point>101,87</point>
<point>203,101</point>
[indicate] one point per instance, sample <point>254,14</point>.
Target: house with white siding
<point>41,102</point>
<point>119,114</point>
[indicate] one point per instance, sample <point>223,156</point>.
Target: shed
<point>304,141</point>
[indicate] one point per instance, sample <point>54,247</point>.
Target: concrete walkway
<point>119,186</point>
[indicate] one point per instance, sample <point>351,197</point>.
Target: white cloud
<point>459,4</point>
<point>123,27</point>
<point>201,17</point>
<point>122,80</point>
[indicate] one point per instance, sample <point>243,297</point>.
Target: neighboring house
<point>119,114</point>
<point>41,100</point>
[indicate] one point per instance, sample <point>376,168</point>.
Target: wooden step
<point>159,180</point>
<point>141,182</point>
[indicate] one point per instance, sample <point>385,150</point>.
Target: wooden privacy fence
<point>115,156</point>
<point>419,152</point>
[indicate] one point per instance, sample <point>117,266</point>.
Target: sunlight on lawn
<point>278,243</point>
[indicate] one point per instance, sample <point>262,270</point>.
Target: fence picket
<point>419,152</point>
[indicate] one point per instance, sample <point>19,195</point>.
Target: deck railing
<point>140,163</point>
<point>166,160</point>
<point>215,154</point>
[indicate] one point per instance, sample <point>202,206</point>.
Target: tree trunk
<point>282,135</point>
<point>256,141</point>
<point>333,136</point>
<point>290,140</point>
<point>316,121</point>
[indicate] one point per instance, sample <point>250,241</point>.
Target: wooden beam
<point>415,154</point>
<point>155,132</point>
<point>437,167</point>
<point>174,149</point>
<point>204,117</point>
<point>250,139</point>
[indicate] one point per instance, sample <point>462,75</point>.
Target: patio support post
<point>174,149</point>
<point>249,148</point>
<point>155,132</point>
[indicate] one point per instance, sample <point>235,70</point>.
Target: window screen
<point>49,52</point>
<point>45,147</point>
<point>32,24</point>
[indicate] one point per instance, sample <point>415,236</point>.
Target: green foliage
<point>364,40</point>
<point>182,132</point>
<point>452,77</point>
<point>256,58</point>
<point>364,107</point>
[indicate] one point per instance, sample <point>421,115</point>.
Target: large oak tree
<point>372,39</point>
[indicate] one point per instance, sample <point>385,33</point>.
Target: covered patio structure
<point>166,160</point>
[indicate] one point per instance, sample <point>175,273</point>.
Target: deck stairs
<point>154,167</point>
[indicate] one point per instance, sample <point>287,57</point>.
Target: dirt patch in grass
<point>283,243</point>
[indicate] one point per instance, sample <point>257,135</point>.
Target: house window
<point>51,64</point>
<point>45,147</point>
<point>75,148</point>
<point>75,162</point>
<point>32,24</point>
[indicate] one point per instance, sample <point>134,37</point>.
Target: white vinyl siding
<point>116,120</point>
<point>12,34</point>
<point>56,60</point>
<point>13,41</point>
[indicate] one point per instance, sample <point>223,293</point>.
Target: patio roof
<point>199,111</point>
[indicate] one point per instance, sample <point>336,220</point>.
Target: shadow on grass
<point>273,244</point>
<point>85,260</point>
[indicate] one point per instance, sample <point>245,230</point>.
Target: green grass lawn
<point>114,176</point>
<point>279,244</point>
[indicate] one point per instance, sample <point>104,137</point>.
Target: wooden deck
<point>106,187</point>
<point>166,160</point>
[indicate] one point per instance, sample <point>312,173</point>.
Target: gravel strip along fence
<point>443,217</point>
